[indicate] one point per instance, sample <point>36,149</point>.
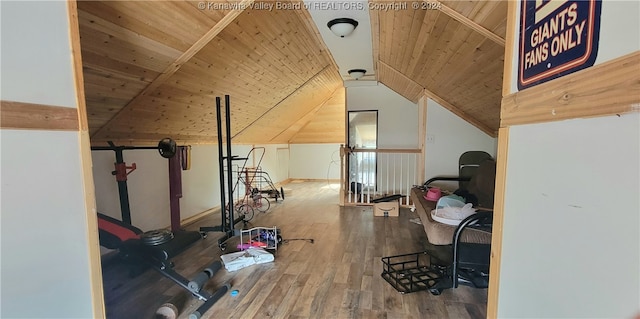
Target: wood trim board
<point>498,217</point>
<point>82,125</point>
<point>78,73</point>
<point>32,116</point>
<point>471,24</point>
<point>609,88</point>
<point>422,134</point>
<point>507,76</point>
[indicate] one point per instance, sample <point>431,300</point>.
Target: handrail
<point>368,174</point>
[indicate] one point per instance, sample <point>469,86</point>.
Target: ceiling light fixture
<point>342,27</point>
<point>357,73</point>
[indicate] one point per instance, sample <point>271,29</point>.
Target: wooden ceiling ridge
<point>444,103</point>
<point>173,67</point>
<point>472,24</point>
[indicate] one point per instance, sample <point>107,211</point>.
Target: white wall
<point>571,243</point>
<point>29,72</point>
<point>314,161</point>
<point>450,136</point>
<point>45,266</point>
<point>397,116</point>
<point>45,261</point>
<point>398,128</point>
<point>271,162</point>
<point>200,184</point>
<point>148,185</point>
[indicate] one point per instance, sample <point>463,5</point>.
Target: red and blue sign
<point>557,37</point>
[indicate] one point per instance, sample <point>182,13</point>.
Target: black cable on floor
<point>286,241</point>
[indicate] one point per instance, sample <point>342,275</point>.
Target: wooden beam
<point>471,24</point>
<point>498,218</point>
<point>172,68</point>
<point>78,77</point>
<point>387,150</point>
<point>507,74</point>
<point>374,17</point>
<point>95,271</point>
<point>501,172</point>
<point>22,115</point>
<point>422,136</point>
<point>606,89</point>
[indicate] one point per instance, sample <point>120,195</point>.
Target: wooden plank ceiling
<point>153,69</point>
<point>453,51</point>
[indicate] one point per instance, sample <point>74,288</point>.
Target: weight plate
<point>167,147</point>
<point>156,237</point>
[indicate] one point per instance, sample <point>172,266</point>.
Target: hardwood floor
<point>336,276</point>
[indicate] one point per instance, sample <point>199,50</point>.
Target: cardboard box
<point>386,209</point>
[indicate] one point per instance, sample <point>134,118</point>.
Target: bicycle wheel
<point>246,211</point>
<point>261,204</point>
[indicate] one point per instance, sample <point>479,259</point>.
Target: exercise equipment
<point>156,248</point>
<point>152,249</point>
<point>172,307</point>
<point>167,148</point>
<point>228,220</point>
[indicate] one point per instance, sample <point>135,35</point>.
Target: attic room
<point>435,81</point>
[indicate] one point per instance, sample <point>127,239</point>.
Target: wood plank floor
<point>336,276</point>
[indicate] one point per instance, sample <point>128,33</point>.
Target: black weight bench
<point>127,239</point>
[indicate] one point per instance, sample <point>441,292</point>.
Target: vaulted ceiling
<point>154,69</point>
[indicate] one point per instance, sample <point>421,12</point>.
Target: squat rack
<point>167,149</point>
<point>228,222</point>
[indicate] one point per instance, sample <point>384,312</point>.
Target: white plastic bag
<point>242,259</point>
<point>452,215</point>
<point>457,213</point>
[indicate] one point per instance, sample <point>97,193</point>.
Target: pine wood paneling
<point>461,63</point>
<point>399,82</point>
<point>324,124</point>
<point>155,67</point>
<point>490,15</point>
<point>271,125</point>
<point>274,67</point>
